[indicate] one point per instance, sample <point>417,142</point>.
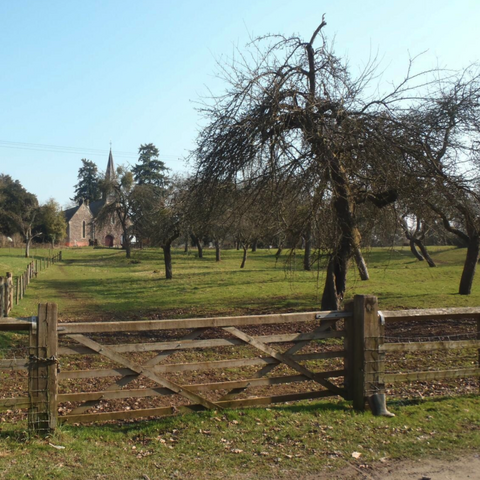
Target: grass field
<point>103,283</point>
<point>286,441</point>
<point>13,259</point>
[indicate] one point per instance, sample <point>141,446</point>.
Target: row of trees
<point>21,213</point>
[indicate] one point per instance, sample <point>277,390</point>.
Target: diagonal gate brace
<point>122,382</point>
<point>147,371</point>
<point>283,358</point>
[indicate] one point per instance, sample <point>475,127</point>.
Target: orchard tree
<point>158,216</point>
<point>293,110</point>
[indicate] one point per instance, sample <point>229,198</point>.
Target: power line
<point>75,150</point>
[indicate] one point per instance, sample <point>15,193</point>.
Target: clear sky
<point>75,75</point>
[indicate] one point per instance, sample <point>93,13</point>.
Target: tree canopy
<point>150,170</point>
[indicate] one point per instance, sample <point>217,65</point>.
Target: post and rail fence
<point>12,289</point>
<point>158,365</point>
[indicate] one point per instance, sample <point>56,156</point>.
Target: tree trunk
<point>128,247</point>
<point>361,264</point>
<point>186,244</point>
<point>330,298</point>
<point>254,245</point>
<point>469,266</point>
<point>28,239</point>
<point>244,259</point>
<point>199,248</point>
<point>307,257</point>
<point>425,253</point>
<point>217,251</point>
<point>343,205</point>
<point>336,279</point>
<point>167,255</point>
<point>278,252</point>
<point>415,252</point>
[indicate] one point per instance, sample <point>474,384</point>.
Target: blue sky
<point>79,74</point>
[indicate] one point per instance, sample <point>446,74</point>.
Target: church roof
<point>96,206</point>
<point>70,212</point>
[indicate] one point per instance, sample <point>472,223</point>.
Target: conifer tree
<point>150,170</point>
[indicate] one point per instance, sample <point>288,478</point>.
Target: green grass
<point>103,282</point>
<point>280,442</point>
<point>13,259</point>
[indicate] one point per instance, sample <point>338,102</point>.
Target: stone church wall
<point>77,235</point>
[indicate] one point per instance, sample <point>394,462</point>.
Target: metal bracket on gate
<point>381,317</point>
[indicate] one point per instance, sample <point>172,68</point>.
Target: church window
<point>84,229</point>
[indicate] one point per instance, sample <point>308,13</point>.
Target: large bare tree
<point>292,110</point>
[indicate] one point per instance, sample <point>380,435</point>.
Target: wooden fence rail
<point>214,363</point>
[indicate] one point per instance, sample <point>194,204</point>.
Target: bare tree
<point>294,111</point>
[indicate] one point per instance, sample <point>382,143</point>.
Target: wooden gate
<point>203,363</point>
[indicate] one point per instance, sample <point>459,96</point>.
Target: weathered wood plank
<point>113,395</point>
<point>16,324</point>
<point>198,366</point>
<point>165,411</point>
<point>14,402</point>
<point>147,325</point>
<point>429,346</point>
<point>431,314</point>
<point>204,387</point>
<point>14,364</point>
<point>433,375</point>
<point>211,343</point>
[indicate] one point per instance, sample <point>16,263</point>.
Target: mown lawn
<point>285,441</point>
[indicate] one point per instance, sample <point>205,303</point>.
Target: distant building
<point>82,228</point>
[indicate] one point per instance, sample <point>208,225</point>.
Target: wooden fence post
<point>60,255</point>
<point>478,338</point>
<point>349,346</point>
<point>368,332</point>
<point>42,379</point>
<point>17,291</point>
<point>9,293</point>
<point>2,296</point>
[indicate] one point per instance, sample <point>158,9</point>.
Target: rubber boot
<point>378,405</point>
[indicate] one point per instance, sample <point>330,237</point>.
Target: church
<point>83,229</point>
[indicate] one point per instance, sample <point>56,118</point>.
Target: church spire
<point>110,173</point>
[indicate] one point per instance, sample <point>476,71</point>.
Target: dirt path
<point>462,468</point>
